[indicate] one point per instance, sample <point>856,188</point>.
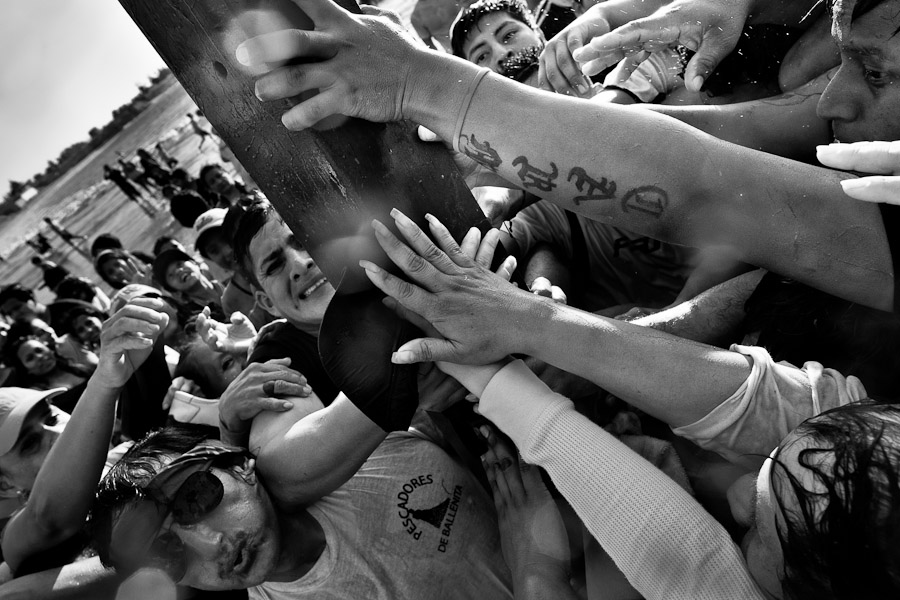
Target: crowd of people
<point>679,382</point>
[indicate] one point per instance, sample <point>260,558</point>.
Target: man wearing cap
<point>214,245</point>
<point>180,274</point>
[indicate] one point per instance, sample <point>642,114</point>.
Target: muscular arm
<point>784,125</point>
<point>785,216</point>
<point>711,317</point>
<point>304,456</point>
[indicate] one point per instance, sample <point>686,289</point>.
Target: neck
<point>309,328</point>
<point>302,543</point>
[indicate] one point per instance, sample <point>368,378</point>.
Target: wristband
<point>464,107</point>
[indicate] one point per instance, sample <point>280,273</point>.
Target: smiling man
<point>180,273</point>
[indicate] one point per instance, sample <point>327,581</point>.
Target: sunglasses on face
<point>197,497</point>
<point>184,492</point>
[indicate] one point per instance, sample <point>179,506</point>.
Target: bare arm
<point>784,125</point>
<point>303,457</point>
<point>639,170</point>
<point>64,488</point>
<point>711,317</point>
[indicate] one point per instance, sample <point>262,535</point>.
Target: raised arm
<point>788,217</point>
<point>64,488</point>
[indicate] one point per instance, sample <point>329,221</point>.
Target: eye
<point>227,363</point>
<point>274,266</point>
<point>51,420</point>
<point>874,77</point>
<point>508,36</point>
<point>293,242</point>
<point>482,56</point>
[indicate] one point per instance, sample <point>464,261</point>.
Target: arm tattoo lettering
<point>590,187</point>
<point>480,152</point>
<point>534,177</point>
<point>647,199</point>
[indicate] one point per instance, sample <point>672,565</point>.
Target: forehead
<point>487,25</point>
<point>269,238</point>
<point>873,33</point>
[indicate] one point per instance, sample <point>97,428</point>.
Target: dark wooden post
<point>327,184</point>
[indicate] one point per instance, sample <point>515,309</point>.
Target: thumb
<point>425,350</point>
<point>704,62</point>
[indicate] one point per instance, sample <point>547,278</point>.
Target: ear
<point>266,303</point>
<point>247,471</point>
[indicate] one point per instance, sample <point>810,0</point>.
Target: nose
<point>202,540</point>
<point>502,52</point>
<point>301,263</point>
<point>840,99</point>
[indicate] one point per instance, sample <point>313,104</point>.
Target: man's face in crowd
<point>19,310</point>
<point>863,99</point>
<point>19,467</point>
<point>182,275</point>
<point>217,248</point>
<point>292,285</point>
<point>497,37</point>
<point>235,546</point>
<point>218,368</point>
<point>118,270</point>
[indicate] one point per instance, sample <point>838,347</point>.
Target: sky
<point>67,64</point>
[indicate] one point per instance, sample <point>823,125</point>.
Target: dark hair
<point>160,242</point>
<point>105,241</point>
<point>77,288</point>
<point>244,222</point>
<point>841,542</point>
<point>125,481</point>
<point>469,17</point>
<point>186,206</point>
<point>16,291</point>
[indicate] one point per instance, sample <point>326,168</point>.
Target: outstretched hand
<point>127,339</point>
<point>711,28</point>
<point>882,158</point>
<point>234,338</point>
<point>532,533</point>
<point>478,313</point>
<point>336,59</point>
<point>559,71</point>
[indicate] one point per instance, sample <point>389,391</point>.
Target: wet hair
<point>244,221</point>
<point>468,17</point>
<point>125,481</point>
<point>841,542</point>
<point>105,241</point>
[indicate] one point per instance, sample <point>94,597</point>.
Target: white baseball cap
<point>15,404</point>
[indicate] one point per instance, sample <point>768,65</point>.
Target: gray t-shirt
<point>411,524</point>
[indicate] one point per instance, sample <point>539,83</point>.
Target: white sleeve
<point>775,399</point>
<point>664,542</point>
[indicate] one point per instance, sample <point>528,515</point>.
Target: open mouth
<point>243,558</point>
<point>312,288</point>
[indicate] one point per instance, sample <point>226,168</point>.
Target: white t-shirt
<point>411,524</point>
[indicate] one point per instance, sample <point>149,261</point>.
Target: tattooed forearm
<point>590,187</point>
<point>648,199</point>
<point>534,177</point>
<point>480,152</point>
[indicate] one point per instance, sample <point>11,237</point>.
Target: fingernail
<point>580,88</point>
<point>379,226</point>
<point>402,357</point>
<point>696,83</point>
<point>307,389</point>
<point>853,184</point>
<point>430,218</point>
<point>485,431</point>
<point>242,55</point>
<point>401,219</point>
<point>368,266</point>
<point>287,405</point>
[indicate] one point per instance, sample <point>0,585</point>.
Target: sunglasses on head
<point>187,491</point>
